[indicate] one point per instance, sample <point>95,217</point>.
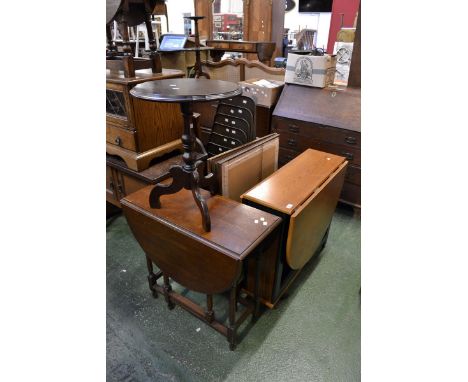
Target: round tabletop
<point>185,90</point>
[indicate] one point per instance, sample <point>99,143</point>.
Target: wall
<point>175,11</point>
<point>349,9</point>
<point>318,21</point>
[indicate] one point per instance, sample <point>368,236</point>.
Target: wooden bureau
<point>324,119</point>
<point>138,131</point>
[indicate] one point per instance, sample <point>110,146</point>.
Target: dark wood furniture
<point>304,193</point>
<point>208,263</point>
<point>186,92</point>
<point>323,119</point>
<point>136,130</point>
<point>264,50</point>
<point>122,180</point>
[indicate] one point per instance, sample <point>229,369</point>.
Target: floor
<point>312,335</point>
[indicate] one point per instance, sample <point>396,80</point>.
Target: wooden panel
<point>263,120</point>
<point>328,107</point>
<point>157,123</point>
<point>181,257</point>
<point>291,185</point>
<point>205,26</point>
<point>259,20</point>
<point>117,121</point>
<point>310,221</point>
<point>219,45</point>
<point>277,27</point>
<point>242,46</point>
<point>121,137</point>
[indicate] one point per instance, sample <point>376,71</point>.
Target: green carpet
<point>313,334</point>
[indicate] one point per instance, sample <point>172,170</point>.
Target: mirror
<point>228,19</point>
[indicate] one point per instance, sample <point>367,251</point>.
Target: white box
<point>316,71</point>
<point>264,92</point>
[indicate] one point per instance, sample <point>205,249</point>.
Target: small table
<point>186,91</point>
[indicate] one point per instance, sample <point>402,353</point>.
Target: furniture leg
<point>167,289</point>
<point>232,318</point>
<point>209,308</point>
<point>201,203</point>
<point>152,280</point>
<point>256,312</point>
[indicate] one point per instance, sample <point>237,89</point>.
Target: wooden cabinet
<point>138,131</point>
<point>326,120</point>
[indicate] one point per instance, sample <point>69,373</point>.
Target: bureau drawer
<point>353,175</point>
<point>352,155</point>
<point>241,47</point>
<point>121,137</point>
<point>300,143</point>
<point>320,132</point>
<point>297,142</point>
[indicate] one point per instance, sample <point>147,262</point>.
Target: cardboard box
<point>264,92</point>
<point>316,71</point>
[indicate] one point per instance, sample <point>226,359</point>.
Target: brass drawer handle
<point>118,141</point>
<point>293,128</point>
<point>292,142</point>
<point>350,140</point>
<point>348,156</point>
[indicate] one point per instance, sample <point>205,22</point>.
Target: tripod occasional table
<point>186,91</point>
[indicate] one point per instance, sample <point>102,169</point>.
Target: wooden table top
<point>186,90</point>
<point>236,229</point>
<point>286,189</point>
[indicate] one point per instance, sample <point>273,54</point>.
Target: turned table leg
<point>232,318</point>
<point>167,288</point>
<point>152,279</point>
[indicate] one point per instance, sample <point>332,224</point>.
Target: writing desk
<point>212,262</point>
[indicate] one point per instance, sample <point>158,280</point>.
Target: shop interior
<point>233,190</point>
